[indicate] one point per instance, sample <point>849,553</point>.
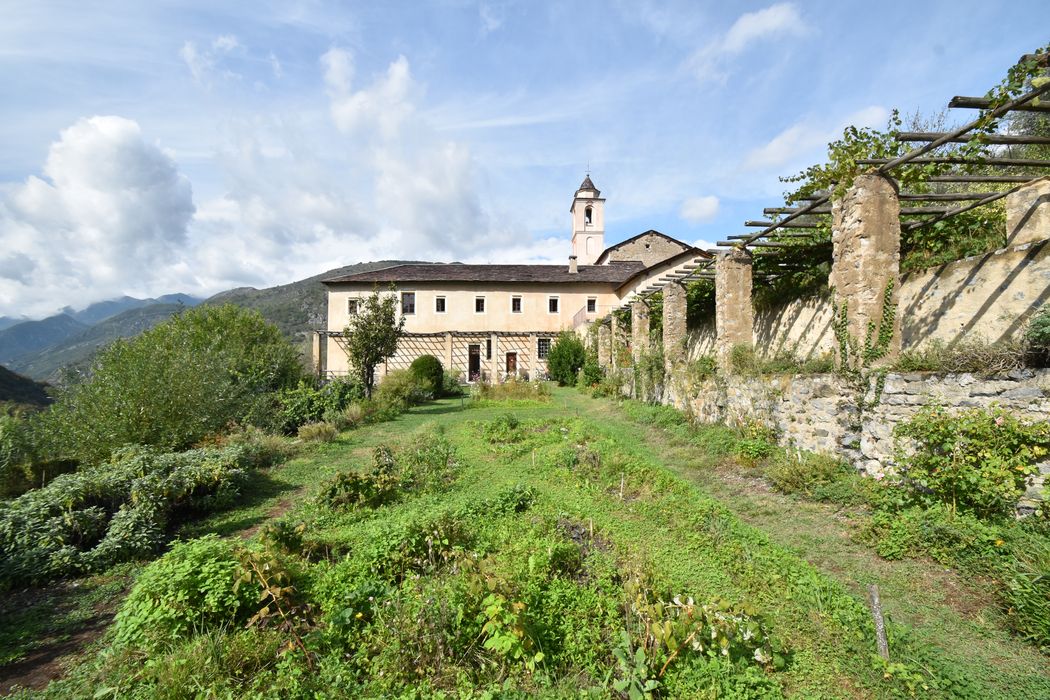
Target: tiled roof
<point>614,273</point>
<point>588,185</point>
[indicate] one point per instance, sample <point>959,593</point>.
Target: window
<point>479,305</point>
<point>488,349</point>
<point>543,347</point>
<point>408,303</point>
<point>592,305</point>
<point>587,216</point>
<point>515,305</point>
<point>552,305</point>
<point>351,306</point>
<point>439,305</point>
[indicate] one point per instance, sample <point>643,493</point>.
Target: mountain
<point>14,388</point>
<point>102,310</point>
<point>298,307</point>
<point>78,350</point>
<point>7,322</point>
<point>29,337</point>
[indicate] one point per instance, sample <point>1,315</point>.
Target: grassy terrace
<point>513,562</point>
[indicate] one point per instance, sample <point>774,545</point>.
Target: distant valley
<point>44,350</point>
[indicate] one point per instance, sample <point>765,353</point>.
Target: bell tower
<point>588,223</point>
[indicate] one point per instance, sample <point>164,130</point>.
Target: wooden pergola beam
<point>942,196</point>
<point>955,160</point>
<point>958,102</point>
<point>794,224</point>
<point>770,211</point>
<point>981,178</point>
<point>945,137</point>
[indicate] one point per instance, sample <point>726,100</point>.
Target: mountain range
<point>44,350</point>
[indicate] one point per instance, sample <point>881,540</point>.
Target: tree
<point>174,384</point>
<point>565,358</point>
<point>372,336</point>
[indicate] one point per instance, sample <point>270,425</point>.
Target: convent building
<point>491,322</point>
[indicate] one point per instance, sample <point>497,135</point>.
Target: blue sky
<point>153,147</point>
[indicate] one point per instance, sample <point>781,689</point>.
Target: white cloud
<point>382,107</point>
<point>204,62</point>
<point>806,136</point>
<point>275,66</point>
<point>698,210</point>
<point>490,20</point>
<point>750,29</point>
<point>110,209</point>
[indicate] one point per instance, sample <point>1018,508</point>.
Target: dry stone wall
<point>819,413</point>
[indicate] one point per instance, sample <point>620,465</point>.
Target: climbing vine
<point>857,360</point>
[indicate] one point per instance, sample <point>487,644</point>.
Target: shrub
<point>113,512</point>
<point>451,385</point>
<point>170,386</point>
<point>400,389</point>
<point>565,358</point>
<point>318,432</point>
<point>504,429</point>
<point>1026,590</point>
<point>353,490</point>
<point>975,356</point>
<point>1038,337</point>
<point>806,472</point>
<point>513,390</point>
<point>429,373</point>
<point>977,460</point>
<point>702,368</point>
<point>192,588</point>
<point>309,403</point>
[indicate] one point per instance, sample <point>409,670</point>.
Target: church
<point>492,322</point>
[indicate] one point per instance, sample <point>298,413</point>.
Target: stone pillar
<point>315,353</point>
<point>1028,213</point>
<point>734,316</point>
<point>497,367</point>
<point>639,328</point>
<point>674,325</point>
<point>866,246</point>
<point>534,357</point>
<point>604,344</point>
<point>448,352</point>
<point>617,341</point>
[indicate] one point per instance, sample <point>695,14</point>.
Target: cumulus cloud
<point>109,208</point>
<point>490,18</point>
<point>698,210</point>
<point>806,136</point>
<point>781,20</point>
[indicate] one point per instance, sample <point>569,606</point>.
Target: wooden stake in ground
<point>880,623</point>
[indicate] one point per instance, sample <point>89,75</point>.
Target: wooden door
<point>474,363</point>
<point>512,364</point>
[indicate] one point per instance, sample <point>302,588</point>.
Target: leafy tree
<point>372,336</point>
<point>565,358</point>
<point>170,386</point>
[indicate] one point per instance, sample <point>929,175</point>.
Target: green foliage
<point>451,385</point>
<point>745,361</point>
<point>401,389</point>
<point>114,512</point>
<point>973,355</point>
<point>310,403</point>
<point>976,460</point>
<point>590,374</point>
<point>190,589</point>
<point>1038,336</point>
<point>699,303</point>
<point>504,429</point>
<point>566,357</point>
<point>353,490</point>
<point>318,432</point>
<point>963,235</point>
<point>429,373</point>
<point>649,374</point>
<point>174,384</point>
<point>813,475</point>
<point>702,368</point>
<point>512,390</point>
<point>372,336</point>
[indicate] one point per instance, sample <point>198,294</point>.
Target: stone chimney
<point>572,265</point>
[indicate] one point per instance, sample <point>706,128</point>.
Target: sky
<point>159,147</point>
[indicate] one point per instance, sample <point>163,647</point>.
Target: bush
<point>318,432</point>
<point>806,472</point>
<point>565,358</point>
<point>114,512</point>
<point>975,356</point>
<point>309,403</point>
<point>429,373</point>
<point>400,389</point>
<point>451,385</point>
<point>513,390</point>
<point>977,460</point>
<point>192,588</point>
<point>1038,337</point>
<point>504,429</point>
<point>174,384</point>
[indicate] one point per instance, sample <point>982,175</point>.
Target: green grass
<point>619,493</point>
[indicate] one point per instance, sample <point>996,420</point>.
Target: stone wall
<point>819,412</point>
<point>650,248</point>
<point>989,296</point>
